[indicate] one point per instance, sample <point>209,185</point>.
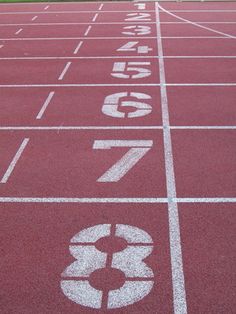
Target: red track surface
<point>88,138</point>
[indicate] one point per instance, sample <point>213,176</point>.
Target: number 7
<point>138,149</point>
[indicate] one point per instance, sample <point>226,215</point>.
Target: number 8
<point>129,261</point>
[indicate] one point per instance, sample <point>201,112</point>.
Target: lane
<point>200,70</point>
<point>110,71</point>
<point>208,250</point>
<point>73,106</point>
<point>200,16</point>
<point>189,30</point>
<point>44,257</point>
<point>203,6</point>
<point>206,158</point>
<point>75,163</point>
<point>49,32</point>
<point>76,47</point>
<point>199,47</point>
<point>45,17</point>
<point>209,106</point>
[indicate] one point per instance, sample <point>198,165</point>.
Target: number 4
<point>132,46</point>
<point>138,149</point>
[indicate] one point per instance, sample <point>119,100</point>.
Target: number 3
<point>88,259</point>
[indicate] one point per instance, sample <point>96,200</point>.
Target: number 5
<point>120,67</point>
<point>138,149</point>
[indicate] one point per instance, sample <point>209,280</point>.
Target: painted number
<point>140,6</point>
<point>75,282</point>
<point>120,67</point>
<point>132,46</point>
<point>136,30</point>
<point>138,148</point>
<point>113,102</point>
<point>138,17</point>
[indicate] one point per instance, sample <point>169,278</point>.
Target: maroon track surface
<point>63,68</point>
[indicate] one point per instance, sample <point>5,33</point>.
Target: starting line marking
<point>33,19</point>
<point>95,17</point>
<point>14,161</point>
<point>45,105</point>
<point>78,47</point>
<point>18,32</point>
<point>64,71</point>
<point>100,7</point>
<point>87,30</point>
<point>119,200</point>
<point>178,284</point>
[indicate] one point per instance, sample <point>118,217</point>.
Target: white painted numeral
<point>136,30</point>
<point>131,46</point>
<point>113,102</point>
<point>140,6</point>
<point>138,149</point>
<point>138,17</point>
<point>120,67</point>
<point>75,278</point>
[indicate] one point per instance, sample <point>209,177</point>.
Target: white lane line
<point>45,105</point>
<point>80,57</point>
<point>68,128</point>
<point>101,6</point>
<point>113,200</point>
<point>64,71</point>
<point>106,85</point>
<point>14,161</point>
<point>113,57</point>
<point>19,30</point>
<point>34,18</point>
<point>200,22</point>
<point>64,12</point>
<point>193,11</point>
<point>87,30</point>
<point>125,127</point>
<point>201,84</point>
<point>105,23</point>
<point>95,17</point>
<point>79,85</point>
<point>195,37</point>
<point>74,23</point>
<point>78,47</point>
<point>195,24</point>
<point>70,38</point>
<point>204,127</point>
<point>47,7</point>
<point>178,284</point>
<point>106,11</point>
<point>1,46</point>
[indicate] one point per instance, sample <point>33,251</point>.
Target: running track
<point>117,157</point>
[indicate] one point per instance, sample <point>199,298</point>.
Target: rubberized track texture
<point>117,157</point>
